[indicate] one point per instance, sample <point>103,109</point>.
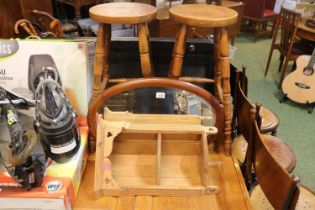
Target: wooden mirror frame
<point>157,82</point>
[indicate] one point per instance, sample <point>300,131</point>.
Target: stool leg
<point>150,52</point>
<point>225,68</point>
<point>178,53</point>
<point>101,67</point>
<point>174,49</point>
<point>144,50</point>
<point>217,74</point>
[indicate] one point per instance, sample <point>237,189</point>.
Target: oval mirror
<point>157,96</point>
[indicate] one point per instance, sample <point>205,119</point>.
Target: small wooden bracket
<point>112,129</point>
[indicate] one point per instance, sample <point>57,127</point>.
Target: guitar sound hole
<point>308,71</point>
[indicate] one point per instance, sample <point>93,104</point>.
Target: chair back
<point>239,96</point>
<point>242,108</point>
<point>243,113</point>
<point>254,9</point>
<point>279,188</point>
<point>289,21</point>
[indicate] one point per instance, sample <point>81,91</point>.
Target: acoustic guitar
<point>299,86</point>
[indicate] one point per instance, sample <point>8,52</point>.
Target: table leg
<point>101,66</point>
<point>144,50</point>
<point>178,53</point>
<point>217,74</point>
<point>225,68</point>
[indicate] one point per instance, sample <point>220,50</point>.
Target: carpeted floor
<point>297,126</point>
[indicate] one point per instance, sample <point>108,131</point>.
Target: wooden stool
<point>120,13</point>
<point>202,15</point>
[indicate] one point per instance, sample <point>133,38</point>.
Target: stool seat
<point>203,15</point>
<point>281,151</point>
<point>270,121</point>
<point>123,13</point>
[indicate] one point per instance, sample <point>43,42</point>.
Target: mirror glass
<point>161,100</point>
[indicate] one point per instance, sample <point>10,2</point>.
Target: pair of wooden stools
<point>193,15</point>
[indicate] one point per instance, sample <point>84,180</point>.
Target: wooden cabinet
<point>13,10</point>
<point>163,26</point>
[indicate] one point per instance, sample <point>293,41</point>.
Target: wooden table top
<point>123,13</point>
<point>203,15</point>
<point>305,32</point>
<point>233,197</point>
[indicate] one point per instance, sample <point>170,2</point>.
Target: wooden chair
<point>256,16</point>
<point>120,13</point>
<point>242,153</point>
<point>277,189</point>
<point>288,46</point>
<point>270,120</point>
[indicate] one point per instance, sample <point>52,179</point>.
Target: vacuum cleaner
<point>55,119</point>
<point>19,152</point>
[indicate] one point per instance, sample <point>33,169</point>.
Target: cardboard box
<point>73,59</point>
<point>59,189</point>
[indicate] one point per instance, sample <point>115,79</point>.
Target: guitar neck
<point>312,60</point>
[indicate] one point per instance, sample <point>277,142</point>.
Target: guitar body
<point>298,85</point>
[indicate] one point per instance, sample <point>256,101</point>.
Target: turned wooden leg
<point>217,74</point>
<point>174,49</point>
<point>150,52</point>
<point>101,66</point>
<point>178,53</point>
<point>225,71</point>
<point>144,51</point>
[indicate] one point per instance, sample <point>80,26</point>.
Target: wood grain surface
<point>235,196</point>
<point>123,13</point>
<point>202,15</point>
